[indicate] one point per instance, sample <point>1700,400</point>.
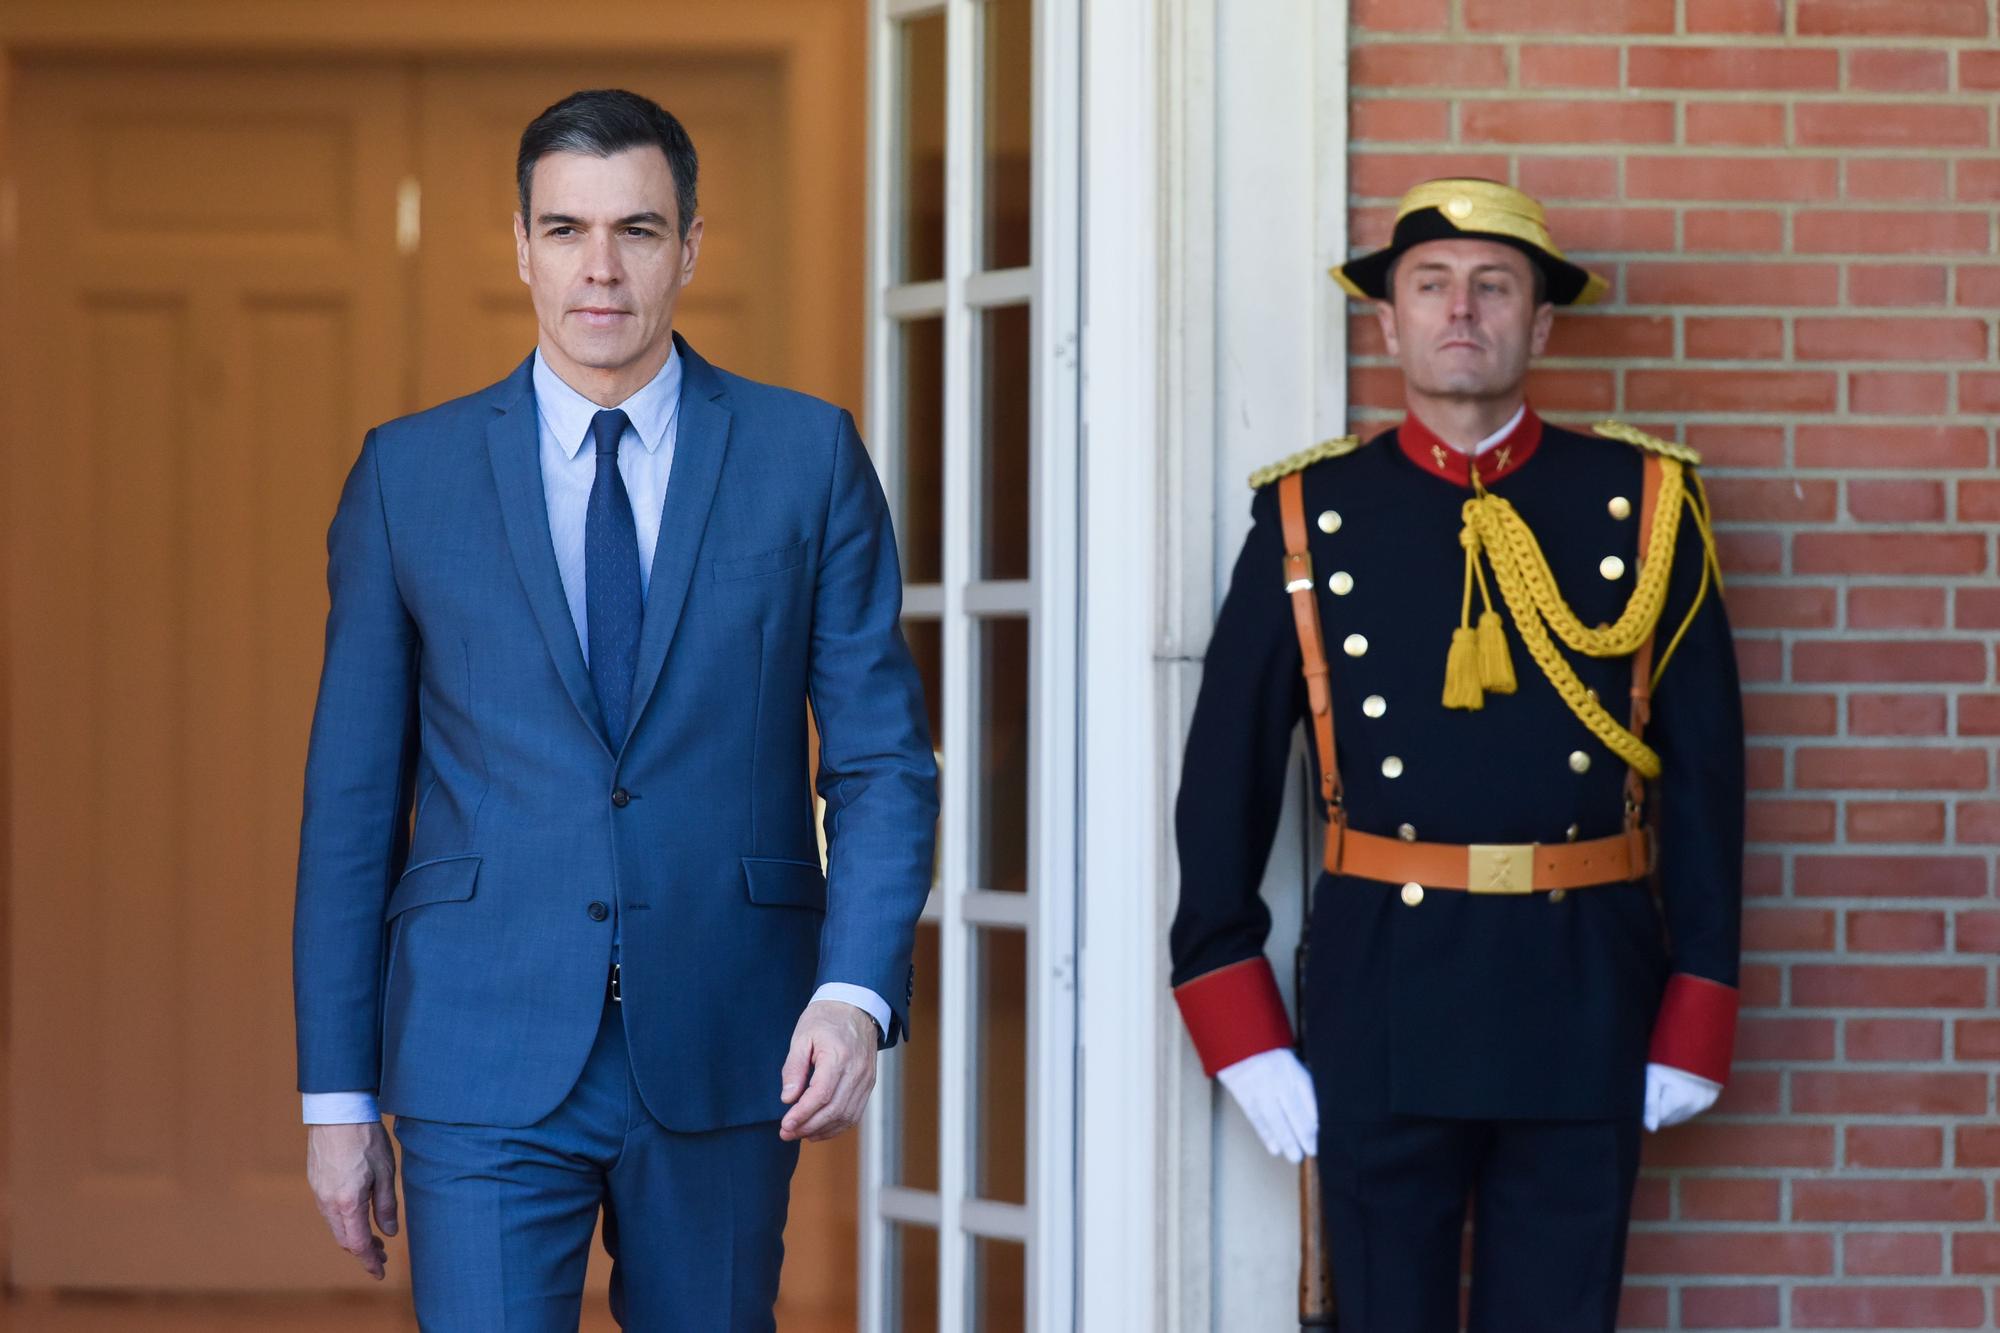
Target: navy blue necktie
<point>613,606</point>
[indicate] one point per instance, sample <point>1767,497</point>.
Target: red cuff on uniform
<point>1233,1013</point>
<point>1696,1029</point>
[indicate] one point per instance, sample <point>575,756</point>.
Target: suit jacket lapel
<point>513,446</point>
<point>700,441</point>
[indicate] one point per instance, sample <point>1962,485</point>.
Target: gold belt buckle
<point>1500,867</point>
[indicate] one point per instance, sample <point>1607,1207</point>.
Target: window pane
<point>1006,132</point>
<point>919,213</point>
<point>999,1285</point>
<point>1001,795</point>
<point>920,525</point>
<point>913,1151</point>
<point>1000,1067</point>
<point>1004,405</point>
<point>925,638</point>
<point>913,1280</point>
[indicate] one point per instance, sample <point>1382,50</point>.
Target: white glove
<point>1276,1092</point>
<point>1674,1095</point>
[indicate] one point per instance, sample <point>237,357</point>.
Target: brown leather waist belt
<point>1525,867</point>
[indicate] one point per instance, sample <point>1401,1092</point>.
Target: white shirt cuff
<point>867,1001</point>
<point>339,1108</point>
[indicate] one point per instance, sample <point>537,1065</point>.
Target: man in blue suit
<point>560,902</point>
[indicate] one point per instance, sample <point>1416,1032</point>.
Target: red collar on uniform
<point>1433,455</point>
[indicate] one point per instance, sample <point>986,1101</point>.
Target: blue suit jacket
<point>458,967</point>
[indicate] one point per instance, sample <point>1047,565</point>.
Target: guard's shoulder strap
<point>1305,458</point>
<point>1312,646</point>
<point>1651,444</point>
<point>1642,660</point>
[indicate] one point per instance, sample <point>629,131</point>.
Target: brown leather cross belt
<point>1526,867</point>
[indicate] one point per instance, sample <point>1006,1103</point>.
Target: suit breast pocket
<point>775,561</point>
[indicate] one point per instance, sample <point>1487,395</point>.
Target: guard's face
<point>603,257</point>
<point>1465,323</point>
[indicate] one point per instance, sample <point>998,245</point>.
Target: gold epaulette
<point>1305,458</point>
<point>1618,430</point>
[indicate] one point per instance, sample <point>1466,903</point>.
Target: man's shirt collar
<point>567,414</point>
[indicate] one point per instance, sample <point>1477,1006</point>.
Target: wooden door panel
<point>211,258</point>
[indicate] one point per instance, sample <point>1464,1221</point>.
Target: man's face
<point>603,256</point>
<point>1464,323</point>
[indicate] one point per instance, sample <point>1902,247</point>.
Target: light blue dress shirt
<point>568,472</point>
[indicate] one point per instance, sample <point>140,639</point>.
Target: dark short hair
<point>1538,274</point>
<point>604,121</point>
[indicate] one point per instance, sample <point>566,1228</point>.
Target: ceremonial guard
<point>1508,642</point>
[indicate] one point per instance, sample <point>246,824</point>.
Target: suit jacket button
<point>597,911</point>
<point>621,798</point>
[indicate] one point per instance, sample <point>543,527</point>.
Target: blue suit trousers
<point>499,1220</point>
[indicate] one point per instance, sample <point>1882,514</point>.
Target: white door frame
<point>1046,913</point>
<point>1182,292</point>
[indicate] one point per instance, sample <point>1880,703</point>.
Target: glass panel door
<point>969,1153</point>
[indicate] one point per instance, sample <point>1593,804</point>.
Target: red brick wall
<point>1796,203</point>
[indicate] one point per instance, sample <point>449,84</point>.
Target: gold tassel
<point>1461,669</point>
<point>1461,672</point>
<point>1496,664</point>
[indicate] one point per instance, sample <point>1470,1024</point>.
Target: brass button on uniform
<point>1555,895</point>
<point>1355,645</point>
<point>1392,767</point>
<point>1374,705</point>
<point>1329,522</point>
<point>1459,207</point>
<point>1611,567</point>
<point>1620,507</point>
<point>1341,584</point>
<point>1412,894</point>
<point>1579,762</point>
<point>1407,832</point>
<point>1571,832</point>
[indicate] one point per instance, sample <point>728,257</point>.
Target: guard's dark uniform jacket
<point>1487,1005</point>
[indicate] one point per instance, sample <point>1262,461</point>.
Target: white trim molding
<point>1120,936</point>
<point>1215,182</point>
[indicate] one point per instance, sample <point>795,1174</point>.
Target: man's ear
<point>521,246</point>
<point>1385,315</point>
<point>690,250</point>
<point>1545,320</point>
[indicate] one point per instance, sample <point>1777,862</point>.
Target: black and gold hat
<point>1442,209</point>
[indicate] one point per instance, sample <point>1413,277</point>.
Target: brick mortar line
<point>1562,148</point>
<point>1940,366</point>
<point>1844,365</point>
<point>1360,36</point>
<point>1880,849</point>
<point>1823,1119</point>
<point>1731,472</point>
<point>1746,419</point>
<point>1685,94</point>
<point>1750,1175</point>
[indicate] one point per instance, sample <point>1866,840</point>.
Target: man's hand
<point>834,1043</point>
<point>352,1171</point>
